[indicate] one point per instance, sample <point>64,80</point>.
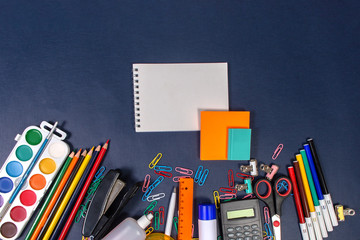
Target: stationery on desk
<point>169,97</point>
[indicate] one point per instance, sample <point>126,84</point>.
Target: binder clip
<point>270,171</point>
<point>341,212</point>
<point>245,187</point>
<point>252,168</point>
<point>107,204</point>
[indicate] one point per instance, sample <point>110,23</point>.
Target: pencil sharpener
<point>270,171</point>
<point>251,168</point>
<point>341,212</point>
<point>245,187</point>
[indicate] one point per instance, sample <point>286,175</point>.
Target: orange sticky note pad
<point>214,132</point>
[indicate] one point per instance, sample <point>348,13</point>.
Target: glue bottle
<point>130,229</point>
<point>207,222</point>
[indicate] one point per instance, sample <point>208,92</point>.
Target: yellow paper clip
<point>216,199</point>
<point>156,159</point>
<point>149,230</point>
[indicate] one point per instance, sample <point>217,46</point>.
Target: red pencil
<point>84,190</point>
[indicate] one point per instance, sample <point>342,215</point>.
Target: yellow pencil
<point>68,195</point>
<point>309,198</point>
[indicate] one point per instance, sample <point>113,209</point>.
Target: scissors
<point>274,197</point>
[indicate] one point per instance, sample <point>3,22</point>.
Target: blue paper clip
<point>203,177</point>
<point>157,181</point>
<point>163,168</point>
<point>198,173</point>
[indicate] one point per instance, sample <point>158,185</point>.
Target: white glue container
<point>130,229</point>
<point>207,222</point>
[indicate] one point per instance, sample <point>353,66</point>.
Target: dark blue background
<point>293,64</point>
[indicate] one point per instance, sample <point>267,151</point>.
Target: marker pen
<point>324,188</point>
<point>322,202</point>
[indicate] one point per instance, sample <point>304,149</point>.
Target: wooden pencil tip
<point>97,149</point>
<point>72,154</point>
<point>91,151</point>
<point>78,153</point>
<point>84,153</point>
<point>106,144</point>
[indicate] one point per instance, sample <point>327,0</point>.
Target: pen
<point>171,211</point>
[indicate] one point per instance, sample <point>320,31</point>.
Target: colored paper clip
<point>216,199</point>
<point>249,196</point>
<point>147,193</point>
<point>277,151</point>
<point>155,197</point>
<point>150,207</point>
<point>176,222</point>
<point>228,190</point>
<point>184,171</point>
<point>231,178</point>
<point>177,178</point>
<point>164,174</point>
<point>203,177</point>
<point>156,159</point>
<point>149,230</point>
<point>227,196</point>
<point>198,173</point>
<point>163,168</point>
<point>266,215</point>
<point>268,234</point>
<point>152,220</point>
<point>244,176</point>
<point>146,182</point>
<point>162,215</point>
<point>157,221</point>
<point>100,171</point>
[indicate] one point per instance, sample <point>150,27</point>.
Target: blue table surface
<point>293,64</point>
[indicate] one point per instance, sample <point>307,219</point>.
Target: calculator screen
<point>242,213</point>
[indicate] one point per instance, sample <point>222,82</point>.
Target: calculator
<point>241,220</point>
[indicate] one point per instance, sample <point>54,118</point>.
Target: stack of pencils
<point>312,199</point>
<point>66,194</point>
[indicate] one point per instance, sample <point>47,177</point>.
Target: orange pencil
<point>55,197</point>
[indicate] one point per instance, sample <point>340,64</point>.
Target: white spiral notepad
<point>169,97</point>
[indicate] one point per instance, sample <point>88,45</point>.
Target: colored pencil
<point>324,188</point>
<point>27,173</point>
<point>315,198</point>
<point>51,194</point>
<point>57,193</point>
<point>302,223</point>
<point>62,195</point>
<point>83,192</point>
<point>67,197</point>
<point>76,196</point>
<point>309,198</point>
<point>322,202</point>
<point>304,201</point>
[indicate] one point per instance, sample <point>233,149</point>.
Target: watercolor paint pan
<point>39,180</point>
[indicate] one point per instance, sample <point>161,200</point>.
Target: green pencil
<point>50,195</point>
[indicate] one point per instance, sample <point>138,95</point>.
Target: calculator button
<point>254,226</point>
<point>257,237</point>
<point>246,227</point>
<point>255,232</point>
<point>230,229</point>
<point>247,233</point>
<point>239,239</point>
<point>238,229</point>
<point>230,235</point>
<point>239,234</point>
<point>247,238</point>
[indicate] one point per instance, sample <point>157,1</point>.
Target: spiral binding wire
<point>136,97</point>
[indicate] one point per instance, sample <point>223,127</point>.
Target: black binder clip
<point>106,205</point>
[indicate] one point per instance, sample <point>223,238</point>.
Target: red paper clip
<point>244,176</point>
<point>151,221</point>
<point>146,182</point>
<point>162,215</point>
<point>266,215</point>
<point>250,195</point>
<point>164,174</point>
<point>184,171</point>
<point>227,196</point>
<point>277,151</point>
<point>228,190</point>
<point>231,178</point>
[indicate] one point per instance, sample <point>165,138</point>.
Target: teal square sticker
<point>239,143</point>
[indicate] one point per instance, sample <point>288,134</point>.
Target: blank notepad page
<point>170,97</point>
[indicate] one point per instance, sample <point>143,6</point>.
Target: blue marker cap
<point>207,211</point>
